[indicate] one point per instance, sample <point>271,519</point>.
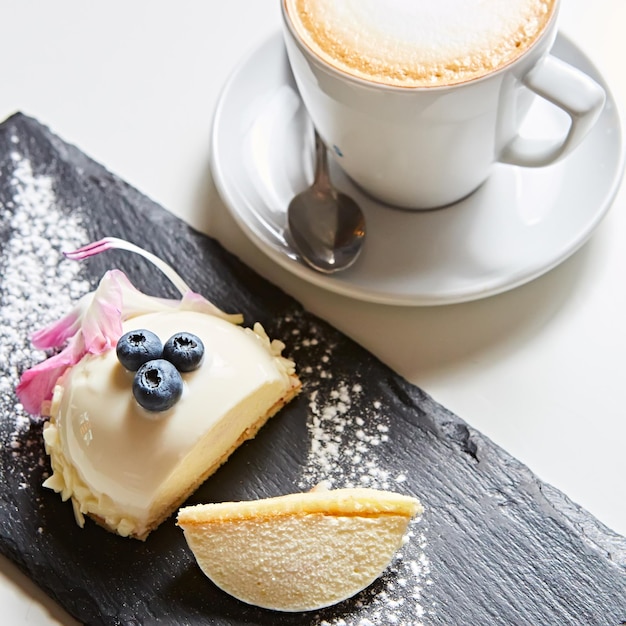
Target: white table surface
<point>541,370</point>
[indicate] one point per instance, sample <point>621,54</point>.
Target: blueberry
<point>185,351</point>
<point>138,347</point>
<point>157,385</point>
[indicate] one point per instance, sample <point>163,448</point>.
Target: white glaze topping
<point>122,463</point>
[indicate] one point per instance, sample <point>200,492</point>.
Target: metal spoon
<point>326,226</point>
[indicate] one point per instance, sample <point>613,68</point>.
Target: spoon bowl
<point>327,227</point>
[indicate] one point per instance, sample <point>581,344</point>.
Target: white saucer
<point>518,225</point>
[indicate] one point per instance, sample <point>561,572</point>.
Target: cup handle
<point>569,89</point>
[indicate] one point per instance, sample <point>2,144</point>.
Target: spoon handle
<point>322,177</point>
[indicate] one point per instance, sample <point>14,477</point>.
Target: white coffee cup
<point>422,147</point>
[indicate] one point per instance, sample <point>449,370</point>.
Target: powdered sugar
<point>37,287</point>
<point>347,431</point>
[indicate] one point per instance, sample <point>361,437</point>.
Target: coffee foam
<point>413,43</point>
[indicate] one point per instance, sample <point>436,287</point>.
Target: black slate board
<point>496,545</point>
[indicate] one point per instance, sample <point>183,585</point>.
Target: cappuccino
<point>419,43</point>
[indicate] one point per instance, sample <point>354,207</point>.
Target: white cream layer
<point>418,42</point>
<point>124,464</point>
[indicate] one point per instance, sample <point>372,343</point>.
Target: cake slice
<point>298,552</point>
<point>123,462</point>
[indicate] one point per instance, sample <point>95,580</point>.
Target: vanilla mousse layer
<point>419,43</point>
<point>129,468</point>
<point>298,552</point>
